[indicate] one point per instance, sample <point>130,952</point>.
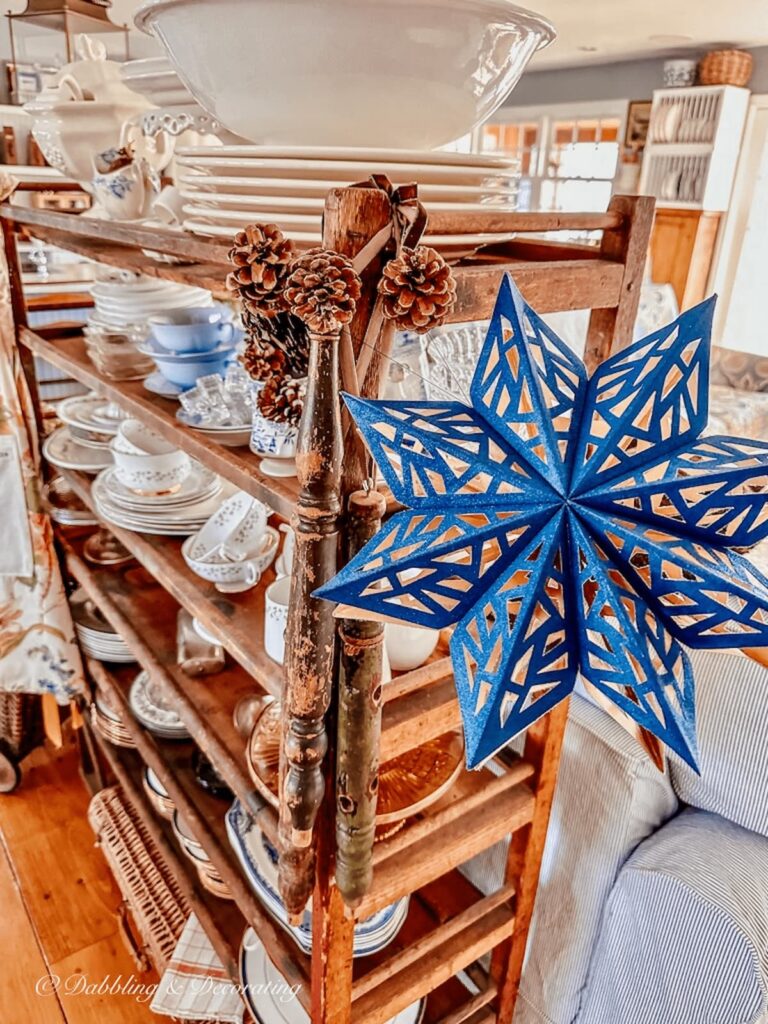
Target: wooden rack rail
<point>450,926</point>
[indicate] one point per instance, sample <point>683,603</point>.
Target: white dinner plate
<point>344,170</point>
<point>197,486</point>
<point>357,154</point>
<point>62,451</point>
<point>320,187</point>
<point>81,412</point>
<point>268,206</point>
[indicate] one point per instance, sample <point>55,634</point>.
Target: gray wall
<point>631,79</point>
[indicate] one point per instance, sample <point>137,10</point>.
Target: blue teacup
<point>200,329</point>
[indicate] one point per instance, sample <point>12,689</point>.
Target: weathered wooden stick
<point>359,722</point>
<point>311,629</point>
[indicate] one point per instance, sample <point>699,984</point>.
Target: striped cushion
<point>732,707</point>
<point>609,798</point>
<point>685,936</point>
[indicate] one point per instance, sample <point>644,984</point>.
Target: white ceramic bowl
<point>233,577</point>
<point>145,462</point>
<point>71,134</point>
<point>409,647</point>
<point>406,74</point>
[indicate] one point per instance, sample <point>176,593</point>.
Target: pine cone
<point>418,289</point>
<point>282,399</point>
<point>262,259</point>
<point>323,290</point>
<point>284,332</point>
<point>263,360</point>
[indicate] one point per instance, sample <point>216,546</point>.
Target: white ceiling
<point>597,31</point>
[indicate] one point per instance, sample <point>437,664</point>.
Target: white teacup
<point>233,531</point>
<point>408,647</point>
<point>168,206</point>
<point>150,474</point>
<point>233,577</point>
<point>284,564</point>
<point>276,618</point>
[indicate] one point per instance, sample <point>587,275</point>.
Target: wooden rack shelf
<point>450,925</point>
<point>238,465</point>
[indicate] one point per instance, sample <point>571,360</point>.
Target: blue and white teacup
<point>273,439</point>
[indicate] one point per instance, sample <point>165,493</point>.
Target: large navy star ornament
<point>568,524</point>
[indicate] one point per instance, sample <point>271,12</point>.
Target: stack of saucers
<point>158,794</point>
<point>209,876</point>
<point>92,420</point>
<point>109,724</point>
<point>258,858</point>
<point>155,713</point>
<point>171,515</point>
<point>128,300</point>
<point>97,638</point>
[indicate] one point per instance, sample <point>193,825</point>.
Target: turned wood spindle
<point>309,646</point>
<point>359,722</point>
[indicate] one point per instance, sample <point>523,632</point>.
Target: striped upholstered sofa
<point>653,900</point>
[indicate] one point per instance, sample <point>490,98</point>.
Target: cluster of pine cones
<point>284,296</point>
<point>277,346</point>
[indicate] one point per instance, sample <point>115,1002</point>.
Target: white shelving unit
<point>693,146</point>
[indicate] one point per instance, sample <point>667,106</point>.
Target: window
<point>568,156</point>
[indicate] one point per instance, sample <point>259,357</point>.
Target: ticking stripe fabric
<point>685,936</point>
<point>609,798</point>
<point>732,725</point>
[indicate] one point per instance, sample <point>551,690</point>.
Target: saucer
<point>278,467</point>
<point>156,384</point>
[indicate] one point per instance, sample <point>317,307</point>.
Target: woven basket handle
<point>132,944</point>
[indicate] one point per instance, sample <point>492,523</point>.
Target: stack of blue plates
<point>259,861</point>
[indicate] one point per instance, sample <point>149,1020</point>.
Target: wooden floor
<point>58,932</point>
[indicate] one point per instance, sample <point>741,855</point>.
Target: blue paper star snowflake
<point>568,524</point>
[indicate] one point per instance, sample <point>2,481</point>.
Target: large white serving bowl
<point>405,73</point>
<point>71,134</point>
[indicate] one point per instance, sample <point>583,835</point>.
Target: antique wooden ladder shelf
<point>450,925</point>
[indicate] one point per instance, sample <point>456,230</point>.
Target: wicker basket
<point>158,907</point>
<point>21,722</point>
<point>726,67</point>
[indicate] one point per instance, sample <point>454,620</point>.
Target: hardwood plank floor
<point>58,902</point>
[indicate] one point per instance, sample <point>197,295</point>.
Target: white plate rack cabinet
<point>693,146</point>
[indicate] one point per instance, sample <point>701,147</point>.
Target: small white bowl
<point>408,647</point>
<point>233,577</point>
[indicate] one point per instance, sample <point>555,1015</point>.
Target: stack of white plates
<point>209,876</point>
<point>122,303</point>
<point>62,450</point>
<point>171,515</point>
<point>227,187</point>
<point>158,794</point>
<point>109,724</point>
<point>268,995</point>
<point>155,713</point>
<point>259,862</point>
<point>97,638</point>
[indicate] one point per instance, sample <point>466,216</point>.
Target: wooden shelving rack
<point>450,925</point>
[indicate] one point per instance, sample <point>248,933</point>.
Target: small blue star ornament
<point>568,524</point>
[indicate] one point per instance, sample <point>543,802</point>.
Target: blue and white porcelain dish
<point>259,861</point>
